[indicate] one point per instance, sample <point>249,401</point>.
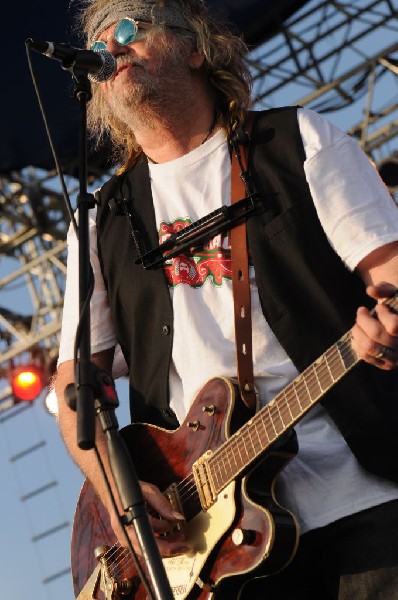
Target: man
<point>324,247</point>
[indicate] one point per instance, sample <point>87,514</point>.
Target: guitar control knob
<point>210,410</point>
<point>243,536</point>
<point>195,425</point>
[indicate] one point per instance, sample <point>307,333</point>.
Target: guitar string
<point>124,561</point>
<point>314,375</point>
<point>338,355</point>
<point>333,357</point>
<point>282,408</point>
<point>279,410</point>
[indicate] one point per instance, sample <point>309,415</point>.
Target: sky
<point>27,563</point>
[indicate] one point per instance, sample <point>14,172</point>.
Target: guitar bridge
<point>204,481</point>
<point>108,585</point>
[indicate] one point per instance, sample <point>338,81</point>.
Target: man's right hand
<point>164,520</point>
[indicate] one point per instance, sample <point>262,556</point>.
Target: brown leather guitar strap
<point>240,279</point>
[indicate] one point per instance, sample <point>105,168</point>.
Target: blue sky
<point>25,563</point>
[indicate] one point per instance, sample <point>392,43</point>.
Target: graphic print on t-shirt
<point>210,261</point>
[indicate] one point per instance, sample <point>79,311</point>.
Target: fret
<point>347,354</point>
<point>230,458</point>
<point>293,386</point>
<point>238,455</point>
<point>307,390</point>
<point>340,356</point>
<point>255,439</point>
<point>261,417</point>
<point>294,403</point>
<point>220,471</point>
<point>335,364</point>
<point>215,473</point>
<point>246,439</point>
<point>301,388</point>
<point>260,443</point>
<point>317,366</point>
<point>253,427</point>
<point>326,376</point>
<point>287,403</point>
<point>280,415</point>
<point>276,421</point>
<point>274,433</point>
<point>267,426</point>
<point>252,451</point>
<point>316,381</point>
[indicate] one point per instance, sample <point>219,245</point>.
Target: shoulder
<point>318,133</point>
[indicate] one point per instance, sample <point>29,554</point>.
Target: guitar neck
<point>286,409</point>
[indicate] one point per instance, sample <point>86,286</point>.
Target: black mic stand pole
<point>89,397</point>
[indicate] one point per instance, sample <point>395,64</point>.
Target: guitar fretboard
<point>288,407</point>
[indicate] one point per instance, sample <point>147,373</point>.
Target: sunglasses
<point>126,31</point>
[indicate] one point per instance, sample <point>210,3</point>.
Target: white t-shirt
<point>324,482</point>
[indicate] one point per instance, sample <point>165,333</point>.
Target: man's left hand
<point>375,337</point>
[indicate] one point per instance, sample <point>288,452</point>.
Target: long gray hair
<point>225,66</point>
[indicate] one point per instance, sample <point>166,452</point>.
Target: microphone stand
<point>95,388</point>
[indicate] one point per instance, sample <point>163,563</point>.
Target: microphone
<point>100,66</point>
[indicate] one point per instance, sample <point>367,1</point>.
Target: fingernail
<point>177,515</point>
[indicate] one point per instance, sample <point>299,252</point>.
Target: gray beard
<point>161,94</point>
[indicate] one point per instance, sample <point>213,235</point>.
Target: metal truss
<point>33,225</point>
<point>339,58</point>
<point>335,57</point>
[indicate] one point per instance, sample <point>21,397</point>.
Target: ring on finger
<point>383,353</point>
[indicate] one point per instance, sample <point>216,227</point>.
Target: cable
<point>50,139</point>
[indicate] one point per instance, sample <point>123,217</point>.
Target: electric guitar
<point>218,468</point>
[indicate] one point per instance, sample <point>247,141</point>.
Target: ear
<point>196,60</point>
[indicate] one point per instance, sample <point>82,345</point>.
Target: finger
<point>157,503</point>
<point>368,342</point>
<point>163,525</point>
<point>381,291</point>
<point>370,331</point>
<point>387,354</point>
<point>367,337</point>
<point>389,321</point>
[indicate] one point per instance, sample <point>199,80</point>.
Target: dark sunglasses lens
<point>125,31</point>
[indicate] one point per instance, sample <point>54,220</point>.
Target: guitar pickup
<point>173,497</point>
<point>204,481</point>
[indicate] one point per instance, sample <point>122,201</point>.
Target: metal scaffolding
<point>330,56</point>
<point>334,57</point>
<point>339,58</point>
<point>33,224</point>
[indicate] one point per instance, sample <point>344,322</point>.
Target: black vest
<point>308,296</point>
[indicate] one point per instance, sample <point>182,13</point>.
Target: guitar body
<point>245,533</point>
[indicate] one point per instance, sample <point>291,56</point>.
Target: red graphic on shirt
<point>211,261</point>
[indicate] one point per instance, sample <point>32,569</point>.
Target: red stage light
<point>26,383</point>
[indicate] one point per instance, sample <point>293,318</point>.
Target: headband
<point>148,11</point>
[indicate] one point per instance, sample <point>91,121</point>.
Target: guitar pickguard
<point>203,532</point>
<point>233,535</point>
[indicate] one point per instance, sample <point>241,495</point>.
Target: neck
<point>192,143</point>
<point>165,137</point>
